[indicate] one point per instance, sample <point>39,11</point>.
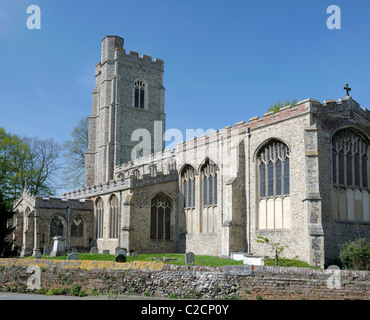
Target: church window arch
<point>113,217</point>
<point>77,227</point>
<point>209,182</point>
<point>209,212</point>
<point>350,175</point>
<point>273,170</point>
<point>99,218</point>
<point>187,185</point>
<point>160,218</point>
<point>140,94</point>
<point>57,226</point>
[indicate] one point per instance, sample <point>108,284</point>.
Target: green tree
<point>24,162</point>
<point>74,154</point>
<point>276,247</point>
<point>27,162</point>
<point>14,159</point>
<point>278,105</point>
<point>7,248</point>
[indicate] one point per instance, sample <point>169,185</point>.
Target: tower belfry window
<point>139,99</point>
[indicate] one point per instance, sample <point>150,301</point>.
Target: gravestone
<point>120,249</point>
<point>105,251</point>
<point>189,258</point>
<point>73,256</point>
<point>47,250</point>
<point>38,254</point>
<point>121,254</point>
<point>94,250</point>
<point>59,247</point>
<point>134,254</point>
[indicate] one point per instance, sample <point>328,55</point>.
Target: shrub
<point>355,254</point>
<point>75,290</point>
<point>42,291</point>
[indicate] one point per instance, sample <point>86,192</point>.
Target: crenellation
<point>253,119</point>
<point>144,56</point>
<point>133,57</point>
<point>268,114</point>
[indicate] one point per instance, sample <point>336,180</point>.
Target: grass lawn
<point>180,258</point>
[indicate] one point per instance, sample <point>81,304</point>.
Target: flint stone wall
<point>163,280</point>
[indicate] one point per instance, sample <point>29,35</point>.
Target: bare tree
<point>43,166</point>
<point>74,154</point>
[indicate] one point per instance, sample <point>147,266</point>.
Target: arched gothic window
<point>209,212</point>
<point>350,175</point>
<point>209,181</point>
<point>188,191</point>
<point>160,218</point>
<point>99,216</point>
<point>139,95</point>
<point>273,162</point>
<point>188,186</point>
<point>77,227</point>
<point>113,217</point>
<point>57,226</point>
<point>349,155</point>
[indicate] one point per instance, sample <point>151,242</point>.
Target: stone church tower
<point>127,111</point>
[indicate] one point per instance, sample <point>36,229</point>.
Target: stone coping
<point>91,265</point>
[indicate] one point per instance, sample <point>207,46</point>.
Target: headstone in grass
<point>72,256</point>
<point>121,254</point>
<point>134,254</point>
<point>94,250</point>
<point>189,258</point>
<point>47,250</point>
<point>59,247</point>
<point>120,249</point>
<point>38,254</point>
<point>105,252</point>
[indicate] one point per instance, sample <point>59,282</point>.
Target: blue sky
<point>225,61</point>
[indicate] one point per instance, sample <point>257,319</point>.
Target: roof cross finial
<point>347,89</point>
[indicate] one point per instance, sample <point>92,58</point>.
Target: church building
<point>299,177</point>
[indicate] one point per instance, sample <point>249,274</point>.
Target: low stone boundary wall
<point>164,280</point>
